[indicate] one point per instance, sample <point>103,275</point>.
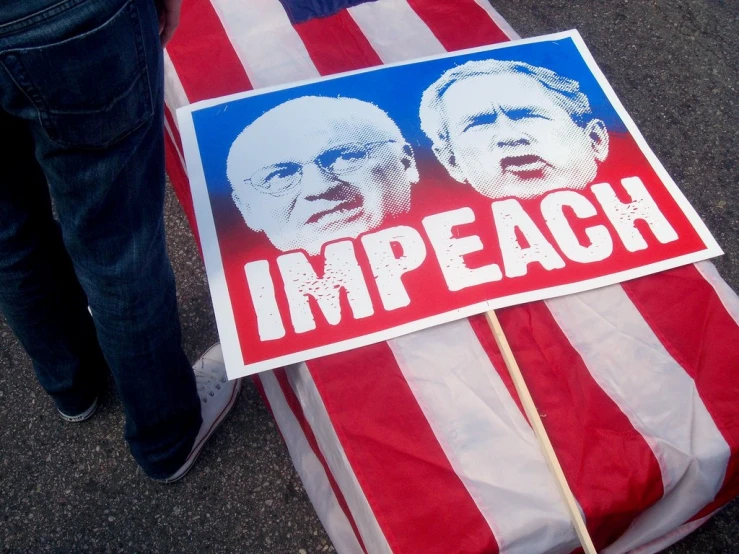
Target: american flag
<point>419,444</point>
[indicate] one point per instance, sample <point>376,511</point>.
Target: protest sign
<point>351,209</point>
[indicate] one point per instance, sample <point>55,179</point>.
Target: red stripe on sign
<point>297,410</point>
<point>205,60</point>
<point>686,314</point>
<point>458,25</point>
<point>610,467</point>
<point>401,468</point>
<point>337,44</point>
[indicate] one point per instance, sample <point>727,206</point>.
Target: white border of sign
<point>214,264</point>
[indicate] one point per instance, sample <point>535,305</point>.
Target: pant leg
<point>94,83</point>
<point>39,292</point>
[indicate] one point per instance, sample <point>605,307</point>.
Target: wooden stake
<point>533,414</point>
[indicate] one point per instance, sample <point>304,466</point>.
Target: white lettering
<point>341,271</point>
<point>642,206</point>
<point>388,269</point>
<point>601,244</point>
<point>509,216</point>
<point>262,289</point>
<point>450,250</point>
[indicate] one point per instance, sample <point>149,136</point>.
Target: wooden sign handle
<point>535,420</point>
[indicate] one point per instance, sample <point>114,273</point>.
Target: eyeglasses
<point>277,179</point>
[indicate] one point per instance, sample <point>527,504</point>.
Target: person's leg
<point>93,75</point>
<point>39,292</point>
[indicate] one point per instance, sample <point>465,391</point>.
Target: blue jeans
<point>81,121</point>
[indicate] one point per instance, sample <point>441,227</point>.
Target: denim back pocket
<point>90,90</point>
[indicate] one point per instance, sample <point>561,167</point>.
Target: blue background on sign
<point>397,90</point>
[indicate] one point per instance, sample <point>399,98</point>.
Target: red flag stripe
<point>175,165</point>
<point>309,467</point>
<point>178,178</point>
<point>329,62</point>
<point>728,297</point>
<point>688,317</point>
<point>610,467</point>
<point>475,421</point>
<point>498,19</point>
<point>337,44</point>
<point>403,472</point>
<point>297,410</point>
<point>461,25</point>
<point>628,361</point>
<point>203,55</point>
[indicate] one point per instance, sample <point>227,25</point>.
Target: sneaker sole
<point>87,414</point>
<point>197,448</point>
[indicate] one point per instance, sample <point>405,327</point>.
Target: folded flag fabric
<point>419,444</point>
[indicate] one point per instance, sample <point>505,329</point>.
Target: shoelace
<point>208,380</point>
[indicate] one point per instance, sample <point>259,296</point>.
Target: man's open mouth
<point>340,214</point>
<point>524,166</point>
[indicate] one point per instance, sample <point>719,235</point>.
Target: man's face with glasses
<point>316,169</point>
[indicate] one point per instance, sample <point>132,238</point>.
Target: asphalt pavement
<point>74,488</point>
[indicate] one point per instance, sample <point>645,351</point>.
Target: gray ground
<point>74,488</point>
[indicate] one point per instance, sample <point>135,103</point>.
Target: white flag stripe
<point>295,64</point>
<point>310,470</point>
<point>728,297</point>
<point>272,53</point>
<point>265,41</point>
<point>661,401</point>
<point>174,97</point>
<point>485,437</point>
<point>174,93</point>
<point>498,19</point>
<point>667,540</point>
<point>333,452</point>
<point>395,31</point>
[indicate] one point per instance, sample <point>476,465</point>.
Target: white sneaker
<point>217,397</point>
<point>83,416</point>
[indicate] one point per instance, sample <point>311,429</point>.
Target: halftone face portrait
<point>339,169</point>
<point>512,129</point>
<point>350,209</point>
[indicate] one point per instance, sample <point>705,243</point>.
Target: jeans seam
<point>39,112</point>
<point>44,113</point>
<point>28,20</point>
<point>142,53</point>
